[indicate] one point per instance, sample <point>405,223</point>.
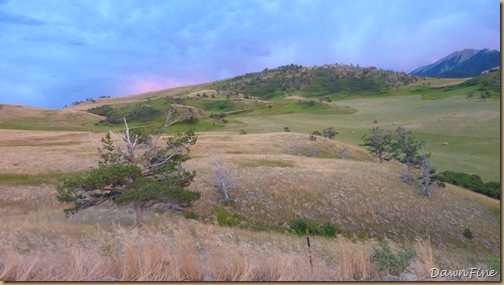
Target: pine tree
<point>378,141</point>
<point>406,149</point>
<point>141,175</point>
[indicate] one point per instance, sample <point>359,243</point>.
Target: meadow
<point>462,135</point>
<point>281,177</point>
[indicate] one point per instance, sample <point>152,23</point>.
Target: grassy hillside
<point>27,118</point>
<point>462,135</point>
<point>258,125</point>
<point>335,80</point>
<point>458,119</point>
<point>276,184</point>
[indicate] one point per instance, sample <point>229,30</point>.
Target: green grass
<point>462,133</point>
<point>470,128</point>
<point>287,106</point>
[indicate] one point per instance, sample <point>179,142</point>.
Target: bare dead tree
<point>314,152</point>
<point>427,173</point>
<point>343,151</point>
<point>223,178</point>
<point>296,147</point>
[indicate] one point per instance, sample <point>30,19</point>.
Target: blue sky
<point>55,52</point>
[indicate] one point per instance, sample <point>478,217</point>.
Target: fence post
<point>309,250</point>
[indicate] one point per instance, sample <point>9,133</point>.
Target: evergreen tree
<point>378,142</point>
<point>330,133</point>
<point>406,149</point>
<point>141,175</point>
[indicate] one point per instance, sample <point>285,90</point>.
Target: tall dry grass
<point>37,242</point>
<point>178,251</point>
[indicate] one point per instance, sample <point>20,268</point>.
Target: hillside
<point>283,180</point>
<point>460,107</point>
<point>365,201</point>
<point>461,64</point>
<point>336,80</point>
<point>30,118</point>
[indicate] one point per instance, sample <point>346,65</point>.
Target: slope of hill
<point>461,106</point>
<point>337,80</point>
<point>280,177</point>
<point>460,64</point>
<point>364,199</point>
<point>30,118</point>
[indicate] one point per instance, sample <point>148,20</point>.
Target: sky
<point>55,52</point>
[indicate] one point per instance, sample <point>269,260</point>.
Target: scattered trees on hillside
<point>403,147</point>
<point>140,174</point>
<point>406,149</point>
<point>378,142</point>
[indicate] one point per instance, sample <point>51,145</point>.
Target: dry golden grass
<point>15,112</point>
<point>22,117</point>
<point>365,199</point>
<point>189,90</point>
<point>41,152</point>
<point>176,250</point>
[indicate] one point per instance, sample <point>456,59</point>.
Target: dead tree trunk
<point>342,152</point>
<point>426,174</point>
<point>223,178</point>
<point>139,212</point>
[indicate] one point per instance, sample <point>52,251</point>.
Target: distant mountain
<point>461,64</point>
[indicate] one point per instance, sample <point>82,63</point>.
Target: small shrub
<point>467,233</point>
<point>102,110</point>
<point>328,230</point>
<point>190,215</point>
<point>330,133</point>
<point>472,182</point>
<point>243,132</point>
<point>231,220</point>
<point>192,120</point>
<point>300,226</point>
<point>286,129</point>
<point>391,263</point>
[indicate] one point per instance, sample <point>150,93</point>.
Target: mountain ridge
<point>461,64</point>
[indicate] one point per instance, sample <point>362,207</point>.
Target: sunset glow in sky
<point>55,52</point>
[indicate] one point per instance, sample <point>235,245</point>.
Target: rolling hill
<point>258,125</point>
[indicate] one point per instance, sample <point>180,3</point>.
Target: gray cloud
<point>57,52</point>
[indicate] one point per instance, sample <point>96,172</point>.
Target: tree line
<point>402,146</point>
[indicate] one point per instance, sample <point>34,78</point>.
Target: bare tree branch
<point>343,151</point>
<point>223,178</point>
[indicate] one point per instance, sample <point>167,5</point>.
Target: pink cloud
<point>148,85</point>
<point>143,84</point>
